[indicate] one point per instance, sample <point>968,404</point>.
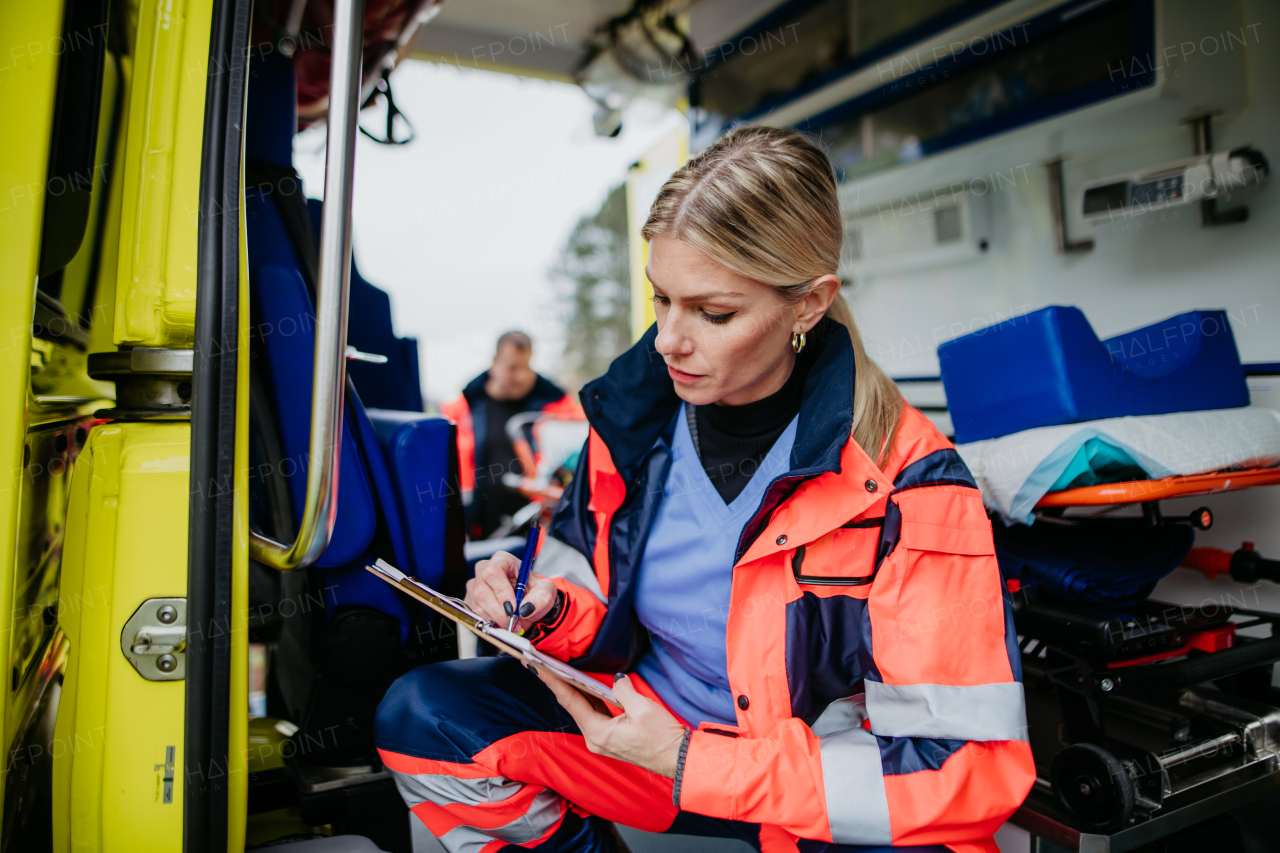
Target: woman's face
<point>725,338</point>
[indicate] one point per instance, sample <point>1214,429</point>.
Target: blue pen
<point>522,580</point>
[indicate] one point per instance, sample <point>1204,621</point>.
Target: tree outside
<point>592,278</point>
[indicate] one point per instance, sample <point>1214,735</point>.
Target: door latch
<point>155,639</point>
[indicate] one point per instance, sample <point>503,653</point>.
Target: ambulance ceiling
<point>551,38</point>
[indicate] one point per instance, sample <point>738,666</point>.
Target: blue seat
<point>287,325</point>
<point>423,486</point>
<point>365,636</point>
<point>1048,368</point>
<point>397,384</point>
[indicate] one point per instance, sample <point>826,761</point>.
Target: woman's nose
<point>671,338</point>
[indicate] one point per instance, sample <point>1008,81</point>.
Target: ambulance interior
<point>1055,218</point>
<point>1059,241</point>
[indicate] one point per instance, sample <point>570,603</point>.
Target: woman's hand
<point>492,593</point>
<point>645,734</point>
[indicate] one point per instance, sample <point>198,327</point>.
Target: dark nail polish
<point>618,676</point>
<point>508,608</point>
<point>526,609</point>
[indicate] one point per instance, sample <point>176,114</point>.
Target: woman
<point>796,576</point>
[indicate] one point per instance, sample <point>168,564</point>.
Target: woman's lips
<point>682,377</point>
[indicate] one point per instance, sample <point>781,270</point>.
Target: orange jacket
<point>545,397</point>
<point>870,643</point>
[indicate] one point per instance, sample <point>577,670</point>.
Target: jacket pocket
<point>844,557</point>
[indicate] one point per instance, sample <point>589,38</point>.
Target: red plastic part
<point>1208,640</point>
<point>1211,561</point>
<point>1165,655</point>
<point>1215,639</point>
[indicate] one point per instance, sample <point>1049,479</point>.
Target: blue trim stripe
<point>902,755</point>
<point>940,468</point>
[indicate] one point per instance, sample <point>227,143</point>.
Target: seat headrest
<point>273,109</point>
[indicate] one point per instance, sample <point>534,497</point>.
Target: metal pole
<point>328,382</point>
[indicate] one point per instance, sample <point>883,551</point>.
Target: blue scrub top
<point>683,586</point>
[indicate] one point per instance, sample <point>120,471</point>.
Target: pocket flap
<point>948,519</point>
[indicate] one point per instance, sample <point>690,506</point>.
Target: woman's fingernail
<point>507,608</point>
<point>618,676</point>
<point>526,609</point>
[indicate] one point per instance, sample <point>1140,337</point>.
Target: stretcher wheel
<point>1093,786</point>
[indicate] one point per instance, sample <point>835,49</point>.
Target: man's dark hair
<point>519,340</point>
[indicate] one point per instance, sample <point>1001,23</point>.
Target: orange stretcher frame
<point>1141,491</point>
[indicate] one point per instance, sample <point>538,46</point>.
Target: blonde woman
<point>800,595</point>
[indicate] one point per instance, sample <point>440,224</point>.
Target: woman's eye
<point>717,318</point>
<point>660,300</point>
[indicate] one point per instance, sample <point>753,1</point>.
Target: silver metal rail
<point>328,382</point>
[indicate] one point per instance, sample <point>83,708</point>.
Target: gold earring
<point>797,341</point>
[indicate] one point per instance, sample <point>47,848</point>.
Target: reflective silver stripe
<point>857,806</point>
<point>544,811</point>
<point>445,790</point>
<point>841,715</point>
<point>979,712</point>
<point>464,839</point>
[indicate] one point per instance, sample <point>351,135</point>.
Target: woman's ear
<point>814,304</point>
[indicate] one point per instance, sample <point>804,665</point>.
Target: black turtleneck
<point>732,441</point>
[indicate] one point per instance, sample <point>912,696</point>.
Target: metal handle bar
<point>329,379</point>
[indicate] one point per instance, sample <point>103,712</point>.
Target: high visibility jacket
<point>870,644</point>
<point>467,410</point>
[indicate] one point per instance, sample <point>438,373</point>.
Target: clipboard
<point>511,643</point>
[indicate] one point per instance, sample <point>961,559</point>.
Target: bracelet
<point>684,751</point>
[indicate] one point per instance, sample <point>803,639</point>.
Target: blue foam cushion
<point>1048,368</point>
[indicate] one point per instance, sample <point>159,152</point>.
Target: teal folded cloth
<point>1095,462</point>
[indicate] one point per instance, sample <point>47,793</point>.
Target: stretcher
<point>1151,718</point>
<point>1165,488</point>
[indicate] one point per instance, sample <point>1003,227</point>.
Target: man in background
<point>508,388</point>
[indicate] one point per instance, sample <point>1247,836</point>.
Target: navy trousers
<point>485,757</point>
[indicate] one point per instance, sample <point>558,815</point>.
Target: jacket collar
<point>635,402</point>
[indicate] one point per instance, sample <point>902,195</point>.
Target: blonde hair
<point>762,202</point>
